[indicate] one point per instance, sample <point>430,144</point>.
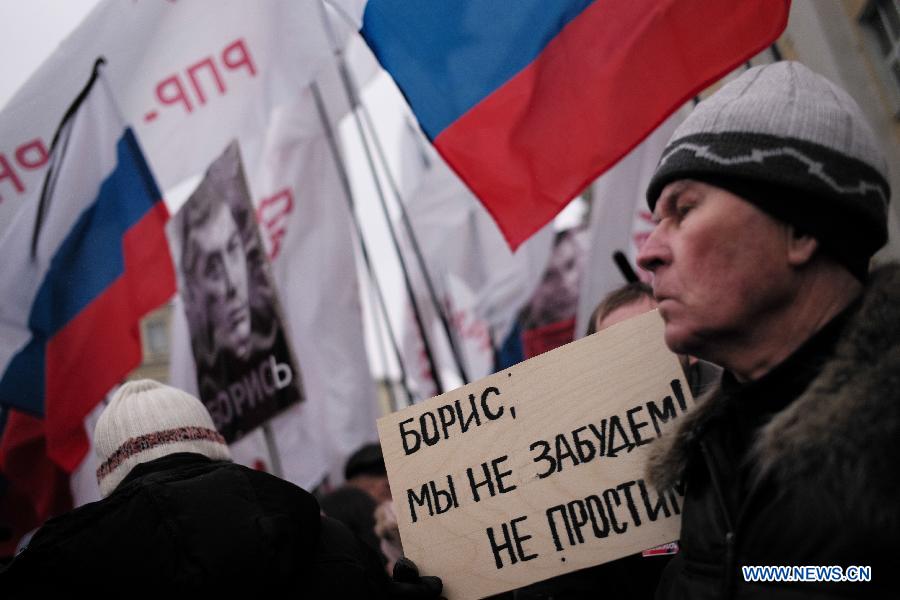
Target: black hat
<point>368,460</point>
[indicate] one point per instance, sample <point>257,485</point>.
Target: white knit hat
<point>146,420</point>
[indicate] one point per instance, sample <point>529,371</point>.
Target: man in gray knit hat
<point>770,200</point>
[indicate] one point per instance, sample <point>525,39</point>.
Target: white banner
<point>480,282</point>
<point>620,219</point>
<point>302,211</point>
<point>189,76</point>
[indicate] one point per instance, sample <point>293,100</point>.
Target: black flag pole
<point>414,243</point>
<point>348,194</point>
<point>625,267</point>
<point>382,352</point>
<point>404,269</point>
<point>58,146</point>
<point>353,100</point>
<point>776,52</point>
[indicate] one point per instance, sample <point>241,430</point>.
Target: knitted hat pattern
<point>146,420</point>
<point>797,146</point>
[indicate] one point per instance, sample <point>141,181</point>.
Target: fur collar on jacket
<point>840,437</point>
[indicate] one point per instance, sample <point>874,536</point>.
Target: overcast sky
<point>29,32</point>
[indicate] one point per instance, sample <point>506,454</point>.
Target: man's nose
<point>654,252</point>
<point>230,288</point>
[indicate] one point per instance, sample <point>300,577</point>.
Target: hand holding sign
<point>538,470</point>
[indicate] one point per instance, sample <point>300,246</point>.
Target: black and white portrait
<point>245,368</point>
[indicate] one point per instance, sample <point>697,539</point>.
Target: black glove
<point>407,584</point>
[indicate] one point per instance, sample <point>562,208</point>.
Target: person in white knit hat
<point>177,517</point>
<point>769,202</point>
<point>146,420</point>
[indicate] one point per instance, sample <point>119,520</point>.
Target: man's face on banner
<point>556,298</point>
<point>221,279</point>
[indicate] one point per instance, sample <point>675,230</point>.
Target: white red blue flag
<point>530,101</point>
<point>82,263</point>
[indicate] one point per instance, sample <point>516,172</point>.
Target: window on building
<point>156,338</point>
<point>881,19</point>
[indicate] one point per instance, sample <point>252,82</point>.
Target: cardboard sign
<point>538,470</point>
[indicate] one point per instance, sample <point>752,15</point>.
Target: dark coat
<point>184,523</point>
<point>801,467</point>
<point>356,509</point>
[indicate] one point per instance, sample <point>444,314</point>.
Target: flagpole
<point>58,146</point>
<point>776,52</point>
<point>407,282</point>
<point>272,447</point>
<point>354,101</point>
<point>352,91</point>
<point>625,267</point>
<point>414,242</point>
<point>382,353</point>
<point>348,194</point>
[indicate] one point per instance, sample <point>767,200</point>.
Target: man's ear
<point>801,246</point>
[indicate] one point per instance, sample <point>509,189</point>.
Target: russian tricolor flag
<point>531,100</point>
<point>70,308</point>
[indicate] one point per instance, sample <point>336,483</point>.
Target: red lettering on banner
<point>33,154</point>
<point>192,70</point>
<point>7,172</point>
<point>174,91</point>
<point>244,57</point>
<point>470,327</point>
<point>477,331</point>
<point>272,214</point>
<point>179,96</point>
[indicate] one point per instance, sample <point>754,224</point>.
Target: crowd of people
<point>769,203</point>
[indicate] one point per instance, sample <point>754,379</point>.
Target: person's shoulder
<point>344,566</point>
<point>261,477</point>
<point>78,521</point>
<point>273,491</point>
<point>73,539</point>
<point>348,494</point>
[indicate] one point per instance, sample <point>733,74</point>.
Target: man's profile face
<point>719,265</point>
<point>221,279</point>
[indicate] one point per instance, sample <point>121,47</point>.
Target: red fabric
<point>94,351</point>
<point>543,339</point>
<point>84,361</point>
<point>597,90</point>
<point>35,488</point>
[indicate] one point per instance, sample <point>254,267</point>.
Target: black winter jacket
<point>799,468</point>
<point>186,524</point>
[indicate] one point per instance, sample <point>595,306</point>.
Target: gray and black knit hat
<point>146,420</point>
<point>796,146</point>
